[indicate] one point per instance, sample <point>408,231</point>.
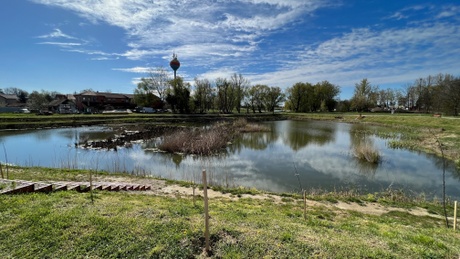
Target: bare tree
<point>240,86</point>
<point>448,94</point>
<point>226,100</point>
<point>40,100</point>
<point>158,82</point>
<point>255,97</point>
<point>203,96</point>
<point>21,94</point>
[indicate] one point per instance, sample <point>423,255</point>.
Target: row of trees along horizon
<point>438,93</point>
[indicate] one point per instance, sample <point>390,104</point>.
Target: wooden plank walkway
<point>20,186</point>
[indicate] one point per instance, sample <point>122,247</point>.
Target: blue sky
<point>107,45</point>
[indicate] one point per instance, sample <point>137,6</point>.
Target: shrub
<point>206,140</point>
<point>196,141</point>
<point>367,153</point>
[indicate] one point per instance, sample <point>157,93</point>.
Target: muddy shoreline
<point>126,134</point>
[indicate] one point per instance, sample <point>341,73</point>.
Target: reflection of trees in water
<point>43,134</point>
<point>81,135</point>
<point>96,135</point>
<point>254,141</point>
<point>177,159</point>
<point>151,147</point>
<point>359,135</point>
<point>297,137</point>
<point>450,165</point>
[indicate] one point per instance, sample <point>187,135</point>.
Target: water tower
<point>175,64</point>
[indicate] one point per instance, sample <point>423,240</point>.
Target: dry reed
<point>206,140</point>
<point>366,152</point>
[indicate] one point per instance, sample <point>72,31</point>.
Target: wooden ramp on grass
<point>20,186</point>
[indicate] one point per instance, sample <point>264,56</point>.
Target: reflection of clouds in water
<point>139,156</point>
<point>262,160</point>
<point>403,169</point>
<point>232,170</point>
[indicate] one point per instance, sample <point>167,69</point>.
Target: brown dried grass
<point>197,141</point>
<point>207,140</point>
<point>366,152</point>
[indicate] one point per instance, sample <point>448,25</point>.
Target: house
<point>95,102</point>
<point>64,104</point>
<point>10,103</point>
<point>9,100</point>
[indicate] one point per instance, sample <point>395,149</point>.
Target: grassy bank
<point>32,121</point>
<point>160,225</point>
<point>419,131</point>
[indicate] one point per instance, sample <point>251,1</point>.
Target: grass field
<point>156,225</point>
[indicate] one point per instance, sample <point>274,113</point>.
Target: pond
<point>294,155</point>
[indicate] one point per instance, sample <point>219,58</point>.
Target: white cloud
<point>150,24</point>
<point>387,56</point>
<point>218,73</point>
<point>224,37</point>
<point>57,33</point>
<point>397,16</point>
<point>449,11</point>
<point>136,54</point>
<point>61,44</point>
<point>136,80</point>
<point>104,58</point>
<point>140,70</point>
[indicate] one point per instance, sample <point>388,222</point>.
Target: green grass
<point>32,121</point>
<point>138,225</point>
<point>122,225</point>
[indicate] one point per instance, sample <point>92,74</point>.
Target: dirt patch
<point>160,187</point>
<point>125,136</point>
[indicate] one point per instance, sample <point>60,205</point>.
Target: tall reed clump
<point>206,140</point>
<point>367,152</point>
<point>242,125</point>
<point>203,141</point>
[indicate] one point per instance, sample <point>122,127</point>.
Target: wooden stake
<point>206,213</point>
<point>91,184</point>
<point>455,215</point>
<point>193,195</point>
<point>305,205</point>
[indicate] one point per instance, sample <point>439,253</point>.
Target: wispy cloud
<point>57,33</point>
<point>449,11</point>
<point>397,16</point>
<point>224,37</point>
<point>104,58</point>
<point>62,40</point>
<point>142,70</point>
<point>387,56</point>
<point>61,44</point>
<point>225,72</point>
<point>236,25</point>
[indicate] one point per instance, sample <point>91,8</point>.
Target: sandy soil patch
<point>161,188</point>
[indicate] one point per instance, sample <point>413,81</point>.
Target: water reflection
<point>362,140</point>
<point>299,134</point>
<point>294,155</point>
<point>254,141</point>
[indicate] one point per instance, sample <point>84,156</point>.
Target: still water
<point>295,155</point>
